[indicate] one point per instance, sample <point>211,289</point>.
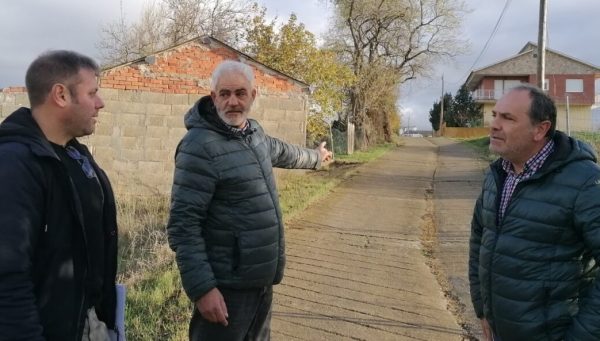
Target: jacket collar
<point>21,127</point>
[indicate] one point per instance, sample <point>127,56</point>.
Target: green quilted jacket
<point>534,275</point>
<point>225,223</point>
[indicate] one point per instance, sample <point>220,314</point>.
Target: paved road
<point>457,183</point>
<point>359,263</point>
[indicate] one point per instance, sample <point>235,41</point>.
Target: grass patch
<point>481,146</point>
<point>142,235</point>
<point>298,191</point>
<point>157,308</point>
<point>366,156</point>
<point>590,137</point>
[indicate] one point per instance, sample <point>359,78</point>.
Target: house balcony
<point>486,95</point>
<point>491,96</point>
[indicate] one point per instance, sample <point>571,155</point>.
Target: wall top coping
<point>14,89</point>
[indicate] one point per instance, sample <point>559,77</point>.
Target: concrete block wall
<point>146,100</point>
<point>11,99</point>
<point>186,69</point>
<point>136,136</point>
<point>137,133</point>
<point>142,121</point>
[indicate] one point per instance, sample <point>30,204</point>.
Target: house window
<point>503,86</point>
<point>574,85</point>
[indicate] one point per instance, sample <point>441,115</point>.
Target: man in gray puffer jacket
<point>225,223</point>
<point>535,234</point>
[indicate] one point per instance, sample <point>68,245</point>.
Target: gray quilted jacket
<point>225,224</point>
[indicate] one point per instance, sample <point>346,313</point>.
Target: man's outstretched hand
<point>325,154</point>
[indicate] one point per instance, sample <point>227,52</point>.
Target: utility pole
<point>541,66</point>
<point>442,108</point>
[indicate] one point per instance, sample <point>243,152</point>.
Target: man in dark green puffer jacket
<point>535,234</point>
<point>225,224</point>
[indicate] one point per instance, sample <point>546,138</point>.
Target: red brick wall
<point>558,85</point>
<point>184,70</point>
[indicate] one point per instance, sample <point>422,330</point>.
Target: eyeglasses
<point>83,161</point>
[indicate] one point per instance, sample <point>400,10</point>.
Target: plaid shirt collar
<point>533,164</point>
<point>241,130</point>
<point>512,178</point>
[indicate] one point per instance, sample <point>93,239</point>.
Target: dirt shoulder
<point>456,185</point>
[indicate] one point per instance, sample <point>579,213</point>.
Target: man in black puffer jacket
<point>58,228</point>
<point>225,223</point>
<point>535,234</point>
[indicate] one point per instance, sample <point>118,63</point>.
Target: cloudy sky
<point>29,27</point>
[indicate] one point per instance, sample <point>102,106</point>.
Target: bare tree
<point>402,36</point>
<point>122,42</point>
<point>171,22</point>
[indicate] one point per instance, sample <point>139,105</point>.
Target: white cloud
<point>573,30</point>
<point>29,27</point>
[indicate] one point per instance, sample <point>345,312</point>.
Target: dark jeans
<point>249,317</point>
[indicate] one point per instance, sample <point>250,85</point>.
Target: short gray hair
<point>231,66</point>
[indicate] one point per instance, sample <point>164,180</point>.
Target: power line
<point>485,47</point>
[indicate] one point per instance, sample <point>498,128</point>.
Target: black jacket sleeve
<point>22,219</point>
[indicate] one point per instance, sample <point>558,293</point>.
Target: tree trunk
<point>387,129</point>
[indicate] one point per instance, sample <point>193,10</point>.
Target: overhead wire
<point>487,43</point>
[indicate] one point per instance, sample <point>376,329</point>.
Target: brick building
<point>566,79</point>
<point>145,100</point>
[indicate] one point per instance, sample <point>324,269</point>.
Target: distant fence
<point>464,133</point>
